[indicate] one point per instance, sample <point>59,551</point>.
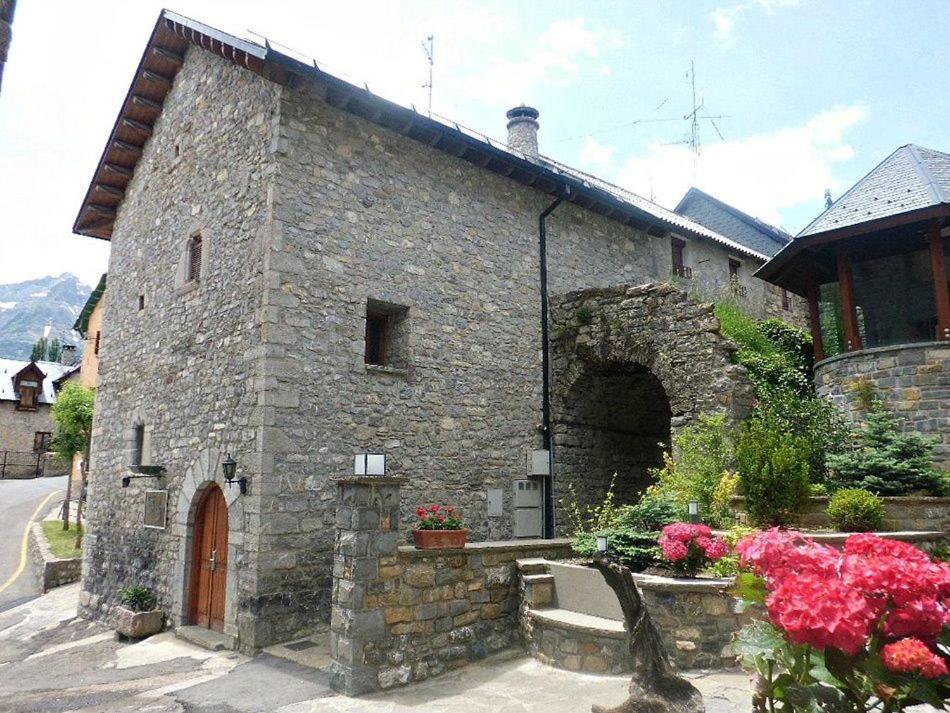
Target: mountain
<point>26,308</point>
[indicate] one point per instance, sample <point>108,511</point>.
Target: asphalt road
<point>18,501</point>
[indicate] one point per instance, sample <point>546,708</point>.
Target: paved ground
<point>19,500</point>
<point>52,661</point>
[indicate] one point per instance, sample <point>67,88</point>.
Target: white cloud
<point>764,174</point>
<point>595,154</point>
<point>724,18</point>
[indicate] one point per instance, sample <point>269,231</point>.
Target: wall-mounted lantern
<point>369,464</point>
<point>693,511</point>
<point>228,468</point>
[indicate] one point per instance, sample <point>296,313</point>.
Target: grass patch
<point>61,541</point>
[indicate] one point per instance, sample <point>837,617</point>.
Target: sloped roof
<point>54,371</point>
<point>728,220</point>
<point>82,321</point>
<point>163,58</point>
<point>911,178</point>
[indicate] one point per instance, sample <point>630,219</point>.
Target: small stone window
<point>786,301</point>
<point>734,266</point>
<point>141,302</point>
<point>138,445</point>
<point>96,348</point>
<point>386,335</point>
<point>42,441</point>
<point>194,258</point>
<point>679,268</point>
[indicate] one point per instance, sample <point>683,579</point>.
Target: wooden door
<point>209,571</point>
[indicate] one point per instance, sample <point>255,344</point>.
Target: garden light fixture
<point>602,545</point>
<point>693,511</point>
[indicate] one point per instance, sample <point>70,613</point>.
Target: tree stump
<point>655,686</point>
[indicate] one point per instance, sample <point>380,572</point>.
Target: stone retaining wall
<point>402,615</point>
<point>912,379</point>
<point>53,571</point>
<point>905,513</point>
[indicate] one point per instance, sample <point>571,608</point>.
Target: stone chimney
<point>67,357</point>
<point>523,130</point>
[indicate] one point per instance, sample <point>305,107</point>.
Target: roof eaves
<point>82,321</point>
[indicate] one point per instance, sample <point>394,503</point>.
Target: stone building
<point>302,272</point>
<point>89,326</point>
<point>874,269</point>
<point>27,394</point>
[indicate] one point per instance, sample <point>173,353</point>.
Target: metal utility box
<point>538,463</point>
<point>527,508</point>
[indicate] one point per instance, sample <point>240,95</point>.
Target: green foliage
<point>856,510</point>
<point>773,470</point>
<point>886,461</point>
<point>650,514</point>
<point>864,391</point>
<point>603,516</point>
<point>61,542</point>
<point>637,550</point>
<point>72,415</point>
<point>54,350</point>
<point>39,350</point>
<point>584,314</point>
<point>136,598</point>
<point>728,566</point>
<point>703,461</point>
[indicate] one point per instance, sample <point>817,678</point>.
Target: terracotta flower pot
<point>439,539</point>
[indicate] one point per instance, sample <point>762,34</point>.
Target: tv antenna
<point>428,46</point>
<point>693,117</point>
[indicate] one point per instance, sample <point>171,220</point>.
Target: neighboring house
<point>302,272</point>
<point>89,326</point>
<point>746,230</point>
<point>27,393</point>
<point>874,269</point>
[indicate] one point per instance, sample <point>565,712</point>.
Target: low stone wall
<point>53,571</point>
<point>905,513</point>
<point>912,379</point>
<point>402,615</point>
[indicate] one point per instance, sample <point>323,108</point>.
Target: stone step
<point>532,565</point>
<point>538,578</point>
<point>206,638</point>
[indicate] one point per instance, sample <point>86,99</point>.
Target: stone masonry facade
<point>913,380</point>
<point>307,215</point>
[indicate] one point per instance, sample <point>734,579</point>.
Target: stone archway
<point>630,367</point>
<point>204,470</point>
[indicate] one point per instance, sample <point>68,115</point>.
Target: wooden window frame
<point>734,266</point>
<point>141,302</point>
<point>96,347</point>
<point>786,300</point>
<point>25,404</point>
<point>678,259</point>
<point>383,321</point>
<point>42,440</point>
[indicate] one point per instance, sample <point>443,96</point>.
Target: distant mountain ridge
<point>26,308</point>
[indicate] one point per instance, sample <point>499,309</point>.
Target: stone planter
<point>138,624</point>
<point>439,539</point>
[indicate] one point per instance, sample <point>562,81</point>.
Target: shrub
<point>637,550</point>
<point>650,514</point>
<point>856,510</point>
<point>136,598</point>
<point>728,566</point>
<point>688,548</point>
<point>703,458</point>
<point>886,461</point>
<point>773,471</point>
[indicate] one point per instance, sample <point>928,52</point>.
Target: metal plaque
<point>156,509</point>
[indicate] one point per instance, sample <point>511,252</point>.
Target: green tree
<point>72,415</point>
<point>39,350</point>
<point>54,350</point>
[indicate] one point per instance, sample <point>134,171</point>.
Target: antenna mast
<point>429,48</point>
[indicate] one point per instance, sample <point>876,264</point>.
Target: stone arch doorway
<point>209,561</point>
<point>631,365</point>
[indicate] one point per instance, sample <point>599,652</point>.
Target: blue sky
<point>815,93</point>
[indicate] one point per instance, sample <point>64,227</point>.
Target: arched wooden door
<point>209,561</point>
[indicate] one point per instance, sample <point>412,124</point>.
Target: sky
<point>810,94</point>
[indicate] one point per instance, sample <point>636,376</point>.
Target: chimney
<point>67,357</point>
<point>523,130</point>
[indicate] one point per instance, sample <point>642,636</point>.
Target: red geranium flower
<point>433,508</point>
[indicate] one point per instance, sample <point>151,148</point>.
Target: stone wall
<point>402,615</point>
<point>631,366</point>
<point>17,428</point>
<point>188,364</point>
<point>912,379</point>
<point>53,571</point>
<point>902,514</point>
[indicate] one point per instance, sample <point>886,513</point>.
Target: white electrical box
<point>527,508</point>
<point>539,463</point>
<point>496,502</point>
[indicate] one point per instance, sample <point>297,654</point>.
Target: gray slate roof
<point>911,178</point>
<point>53,371</point>
<point>728,220</point>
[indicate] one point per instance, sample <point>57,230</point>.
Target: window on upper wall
<point>96,347</point>
<point>27,391</point>
<point>679,268</point>
<point>138,445</point>
<point>734,266</point>
<point>42,441</point>
<point>786,301</point>
<point>386,335</point>
<point>194,258</point>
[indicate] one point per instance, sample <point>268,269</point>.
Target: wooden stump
<point>655,686</point>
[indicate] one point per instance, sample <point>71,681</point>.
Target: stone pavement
<point>52,661</point>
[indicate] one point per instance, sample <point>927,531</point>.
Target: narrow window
<point>786,301</point>
<point>194,259</point>
<point>41,441</point>
<point>27,395</point>
<point>96,349</point>
<point>377,337</point>
<point>679,265</point>
<point>734,266</point>
<point>138,444</point>
<point>141,302</point>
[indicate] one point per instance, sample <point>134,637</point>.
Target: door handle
<point>214,560</point>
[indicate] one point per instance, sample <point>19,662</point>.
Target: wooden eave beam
<point>848,306</point>
<point>101,209</point>
<point>126,146</point>
<point>168,54</point>
<point>109,190</point>
<point>117,169</point>
<point>151,76</point>
<point>941,289</point>
<point>145,102</point>
<point>136,125</point>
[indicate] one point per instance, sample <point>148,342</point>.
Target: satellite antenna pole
<point>429,48</point>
